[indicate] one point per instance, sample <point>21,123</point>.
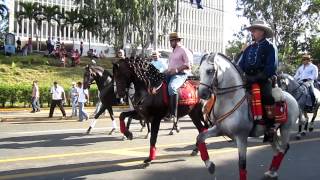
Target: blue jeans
<point>74,106</point>
<point>82,113</point>
<point>175,82</point>
<point>35,104</point>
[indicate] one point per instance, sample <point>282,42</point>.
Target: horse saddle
<point>188,93</point>
<point>278,111</point>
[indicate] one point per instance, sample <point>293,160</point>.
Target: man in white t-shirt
<point>58,98</point>
<point>83,97</point>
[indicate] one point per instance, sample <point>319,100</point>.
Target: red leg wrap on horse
<point>203,151</point>
<point>276,161</point>
<point>243,174</point>
<point>122,126</point>
<point>152,155</point>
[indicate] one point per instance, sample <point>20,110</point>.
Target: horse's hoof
<point>298,136</point>
<point>177,129</point>
<point>128,135</point>
<point>194,152</point>
<point>270,175</point>
<point>124,138</point>
<point>147,136</point>
<point>112,131</point>
<point>171,133</point>
<point>211,166</point>
<point>89,129</point>
<point>310,129</point>
<point>303,133</point>
<point>141,130</point>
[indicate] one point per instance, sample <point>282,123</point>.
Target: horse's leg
<point>153,140</point>
<point>242,151</point>
<point>301,122</point>
<point>197,119</point>
<point>143,124</point>
<point>303,133</point>
<point>129,122</point>
<point>114,124</point>
<point>315,113</point>
<point>213,131</point>
<point>94,121</point>
<point>148,127</point>
<point>126,132</point>
<point>280,149</point>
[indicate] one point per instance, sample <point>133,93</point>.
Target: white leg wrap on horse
<point>271,174</point>
<point>207,163</point>
<point>114,124</point>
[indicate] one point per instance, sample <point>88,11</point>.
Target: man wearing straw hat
<point>259,61</point>
<point>307,73</point>
<point>179,68</point>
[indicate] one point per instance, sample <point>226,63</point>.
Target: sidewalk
<point>23,114</point>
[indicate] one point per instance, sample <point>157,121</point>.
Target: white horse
<point>231,113</point>
<point>299,92</point>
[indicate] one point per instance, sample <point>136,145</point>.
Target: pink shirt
<point>35,91</point>
<point>180,56</point>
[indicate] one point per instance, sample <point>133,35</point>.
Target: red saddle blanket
<point>188,93</point>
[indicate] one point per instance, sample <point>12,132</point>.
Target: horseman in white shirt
<point>307,73</point>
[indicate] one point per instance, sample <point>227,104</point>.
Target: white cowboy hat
<point>263,26</point>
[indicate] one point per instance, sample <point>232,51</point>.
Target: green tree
<point>315,48</point>
<point>29,12</point>
<point>71,18</point>
<point>50,14</point>
<point>3,11</point>
<point>288,20</point>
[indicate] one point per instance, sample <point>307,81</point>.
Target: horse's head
<point>208,76</point>
<point>90,74</point>
<point>284,81</point>
<point>122,75</point>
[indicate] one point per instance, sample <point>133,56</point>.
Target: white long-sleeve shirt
<point>308,71</point>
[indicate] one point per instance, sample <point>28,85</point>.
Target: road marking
<point>130,152</point>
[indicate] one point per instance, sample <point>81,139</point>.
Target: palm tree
<point>27,13</point>
<point>3,11</point>
<point>72,18</point>
<point>50,14</point>
<point>38,18</point>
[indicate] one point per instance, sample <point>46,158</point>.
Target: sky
<point>232,23</point>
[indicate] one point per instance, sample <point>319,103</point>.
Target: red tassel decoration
<point>256,102</point>
<point>243,174</point>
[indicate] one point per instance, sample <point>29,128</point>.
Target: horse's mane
<point>96,68</point>
<point>145,71</point>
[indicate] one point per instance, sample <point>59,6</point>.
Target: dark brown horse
<point>104,82</point>
<point>151,106</point>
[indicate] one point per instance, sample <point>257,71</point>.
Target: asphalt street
<point>33,146</point>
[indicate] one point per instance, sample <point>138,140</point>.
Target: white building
<point>202,29</point>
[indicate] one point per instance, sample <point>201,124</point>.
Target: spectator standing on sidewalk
<point>81,48</point>
<point>58,98</point>
<point>74,99</point>
<point>83,97</point>
<point>18,45</point>
<point>35,97</point>
<point>30,45</point>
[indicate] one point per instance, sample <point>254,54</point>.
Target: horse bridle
<point>213,86</point>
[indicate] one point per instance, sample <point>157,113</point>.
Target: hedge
<point>16,95</point>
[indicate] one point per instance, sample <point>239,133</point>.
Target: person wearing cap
<point>74,98</point>
<point>157,63</point>
<point>179,68</point>
<point>307,74</point>
<point>259,62</point>
<point>58,98</point>
<point>35,97</point>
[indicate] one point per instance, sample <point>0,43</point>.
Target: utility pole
<point>155,25</point>
<point>177,17</point>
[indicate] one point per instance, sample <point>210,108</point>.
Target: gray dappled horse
<point>300,92</point>
<point>231,113</point>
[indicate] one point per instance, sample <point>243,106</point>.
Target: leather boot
<point>173,106</point>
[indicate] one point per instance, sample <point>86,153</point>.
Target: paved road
<point>35,147</point>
